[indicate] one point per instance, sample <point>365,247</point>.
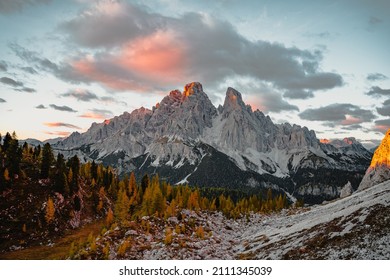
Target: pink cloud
<point>91,115</point>
<point>157,59</point>
<point>161,56</point>
<point>61,124</point>
<point>256,103</point>
<point>99,114</point>
<point>382,128</point>
<point>58,133</point>
<point>349,120</point>
<point>89,69</point>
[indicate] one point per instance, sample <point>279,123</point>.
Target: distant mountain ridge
<point>185,139</point>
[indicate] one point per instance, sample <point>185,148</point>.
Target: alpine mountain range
<point>185,139</point>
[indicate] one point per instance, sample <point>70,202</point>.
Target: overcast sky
<point>321,64</point>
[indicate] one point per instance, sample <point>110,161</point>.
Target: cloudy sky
<point>322,64</point>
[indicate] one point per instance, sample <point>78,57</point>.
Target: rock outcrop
<point>347,190</point>
<point>379,170</point>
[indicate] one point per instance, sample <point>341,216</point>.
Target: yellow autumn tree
<point>123,248</point>
<point>279,202</point>
<point>93,183</point>
<point>122,204</point>
<point>179,197</point>
<point>6,175</point>
<point>146,202</point>
<point>158,201</point>
<point>92,243</point>
<point>168,192</point>
<point>177,229</point>
<point>204,203</point>
<point>87,170</point>
<point>200,232</point>
<point>132,184</point>
<point>212,206</point>
<point>50,211</point>
<point>153,201</point>
<point>100,204</point>
<point>170,211</point>
<point>109,218</point>
<point>193,201</point>
<point>168,236</point>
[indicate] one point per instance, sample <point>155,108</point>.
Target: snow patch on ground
<point>271,233</point>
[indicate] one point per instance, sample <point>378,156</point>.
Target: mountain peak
<point>233,100</point>
<point>192,88</point>
<point>142,110</point>
<point>379,170</point>
<point>324,141</point>
<point>175,92</point>
<point>232,92</point>
<point>382,153</point>
<point>349,140</point>
<point>189,89</point>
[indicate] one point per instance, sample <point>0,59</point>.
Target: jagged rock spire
<point>233,101</point>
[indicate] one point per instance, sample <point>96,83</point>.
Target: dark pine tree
<point>144,182</point>
<point>60,163</point>
<point>47,159</point>
<point>106,179</point>
<point>13,155</point>
<point>6,141</point>
<point>77,203</point>
<point>25,146</point>
<point>60,180</point>
<point>37,151</point>
<point>74,164</point>
<point>94,169</point>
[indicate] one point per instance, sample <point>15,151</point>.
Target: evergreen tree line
<point>63,176</point>
<point>121,199</point>
<point>158,198</point>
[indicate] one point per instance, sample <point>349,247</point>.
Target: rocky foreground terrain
<point>355,227</point>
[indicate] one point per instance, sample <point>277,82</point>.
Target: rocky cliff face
<point>379,169</point>
<point>186,139</point>
<point>183,115</point>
